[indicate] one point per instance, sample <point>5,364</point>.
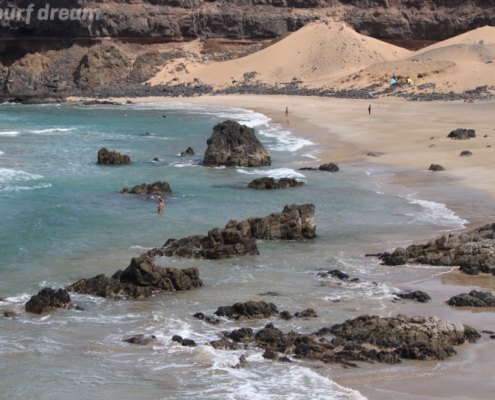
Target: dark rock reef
<point>462,134</point>
<point>235,145</point>
<point>271,183</point>
<point>48,299</point>
<point>364,339</point>
<point>107,157</point>
<point>416,295</point>
<point>473,299</point>
<point>472,251</point>
<point>329,167</point>
<point>157,189</point>
<point>248,310</point>
<point>295,222</point>
<point>141,279</point>
<point>188,152</point>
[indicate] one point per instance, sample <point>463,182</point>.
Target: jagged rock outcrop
<point>248,310</point>
<point>473,299</point>
<point>364,339</point>
<point>462,134</point>
<point>271,183</point>
<point>235,145</point>
<point>188,152</point>
<point>295,222</point>
<point>48,299</point>
<point>101,66</point>
<point>156,189</point>
<point>107,157</point>
<point>416,295</point>
<point>472,251</point>
<point>141,279</point>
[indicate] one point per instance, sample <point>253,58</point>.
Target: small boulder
<point>48,299</point>
<point>271,183</point>
<point>107,157</point>
<point>329,167</point>
<point>473,299</point>
<point>139,339</point>
<point>436,167</point>
<point>462,134</point>
<point>417,295</point>
<point>466,153</point>
<point>156,189</point>
<point>248,310</point>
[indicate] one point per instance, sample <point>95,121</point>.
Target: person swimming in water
<point>161,203</point>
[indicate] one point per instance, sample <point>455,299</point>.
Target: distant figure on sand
<point>161,203</point>
<point>369,109</point>
<point>287,112</point>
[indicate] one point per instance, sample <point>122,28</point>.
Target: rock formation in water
<point>188,152</point>
<point>472,251</point>
<point>473,299</point>
<point>366,338</point>
<point>141,279</point>
<point>295,222</point>
<point>329,167</point>
<point>248,310</point>
<point>235,145</point>
<point>157,189</point>
<point>48,299</point>
<point>416,295</point>
<point>271,183</point>
<point>107,157</point>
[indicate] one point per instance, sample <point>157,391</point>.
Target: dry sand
<point>401,133</point>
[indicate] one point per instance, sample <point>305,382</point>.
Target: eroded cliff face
<point>178,19</point>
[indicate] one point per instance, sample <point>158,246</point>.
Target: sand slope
<point>318,52</point>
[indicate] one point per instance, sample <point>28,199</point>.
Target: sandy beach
<point>401,133</point>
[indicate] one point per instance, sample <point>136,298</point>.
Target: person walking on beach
<point>286,112</point>
<point>161,203</point>
<point>369,109</point>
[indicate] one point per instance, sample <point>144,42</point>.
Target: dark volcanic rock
<point>473,299</point>
<point>417,295</point>
<point>248,310</point>
<point>462,134</point>
<point>308,313</point>
<point>157,188</point>
<point>237,239</point>
<point>140,339</point>
<point>141,279</point>
<point>48,299</point>
<point>107,157</point>
<point>472,251</point>
<point>232,144</point>
<point>421,338</point>
<point>207,318</point>
<point>271,183</point>
<point>329,167</point>
<point>188,152</point>
<point>466,153</point>
<point>436,167</point>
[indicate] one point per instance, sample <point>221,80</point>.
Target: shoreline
<point>351,143</point>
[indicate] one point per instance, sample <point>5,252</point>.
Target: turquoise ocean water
<point>62,219</point>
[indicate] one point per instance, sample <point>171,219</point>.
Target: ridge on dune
<point>316,52</point>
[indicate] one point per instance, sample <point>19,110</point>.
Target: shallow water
<point>63,219</point>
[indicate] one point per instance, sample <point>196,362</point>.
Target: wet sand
<point>400,133</point>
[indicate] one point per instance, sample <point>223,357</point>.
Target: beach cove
<point>339,131</point>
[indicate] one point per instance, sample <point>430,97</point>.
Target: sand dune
<point>320,51</point>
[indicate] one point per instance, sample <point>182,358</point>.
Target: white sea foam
<point>275,173</point>
<point>285,140</point>
<point>18,188</point>
<point>12,175</point>
<point>53,130</point>
<point>1,152</point>
<point>437,213</point>
<point>9,133</point>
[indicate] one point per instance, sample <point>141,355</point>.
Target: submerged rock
<point>271,183</point>
<point>472,251</point>
<point>48,299</point>
<point>462,134</point>
<point>232,144</point>
<point>473,299</point>
<point>295,222</point>
<point>156,188</point>
<point>140,339</point>
<point>107,157</point>
<point>141,279</point>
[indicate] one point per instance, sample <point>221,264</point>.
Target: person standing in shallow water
<point>369,109</point>
<point>161,203</point>
<point>287,112</point>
